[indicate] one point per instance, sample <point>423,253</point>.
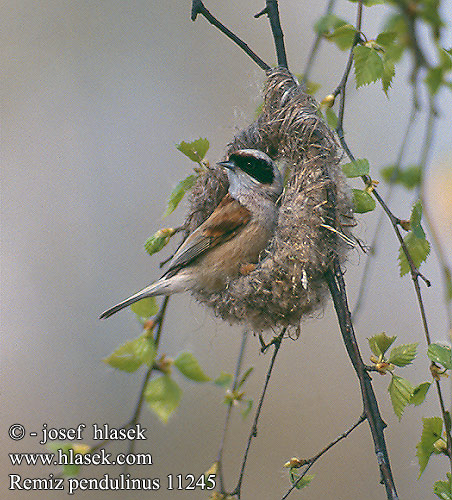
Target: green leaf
<point>363,201</point>
<point>69,470</point>
<point>386,39</point>
<point>403,355</point>
<point>223,380</point>
<point>415,220</point>
<point>310,86</point>
<point>356,169</point>
<point>124,358</point>
<point>159,240</point>
<point>440,354</point>
<point>188,365</point>
<point>163,395</point>
<point>431,432</point>
<point>443,489</point>
<point>419,250</point>
<point>401,392</point>
<point>380,343</point>
<point>396,23</point>
<point>390,173</point>
<point>448,279</point>
<point>387,76</point>
<point>145,308</point>
<point>392,53</point>
<point>195,150</point>
<point>328,23</point>
<point>419,393</point>
<point>368,65</point>
<point>244,378</point>
<point>247,408</point>
<point>331,118</point>
<point>409,177</point>
<point>145,349</point>
<point>434,79</point>
<point>130,356</point>
<point>445,57</point>
<point>178,193</point>
<point>300,483</point>
<point>343,36</point>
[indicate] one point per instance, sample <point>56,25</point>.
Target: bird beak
<point>227,164</point>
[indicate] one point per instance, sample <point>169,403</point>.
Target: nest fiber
<point>315,213</point>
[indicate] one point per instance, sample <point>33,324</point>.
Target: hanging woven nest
<point>315,213</point>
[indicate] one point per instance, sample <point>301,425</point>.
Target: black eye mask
<point>258,168</point>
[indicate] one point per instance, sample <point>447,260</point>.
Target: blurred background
<point>95,96</point>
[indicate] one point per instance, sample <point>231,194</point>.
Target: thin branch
<point>340,89</point>
<point>158,321</point>
<point>446,419</point>
<point>415,274</point>
<point>339,129</point>
<point>395,223</point>
<point>277,344</point>
<point>371,411</point>
<point>238,369</point>
<point>445,268</point>
<point>311,461</point>
<point>441,255</point>
<point>271,9</point>
<point>199,8</point>
<point>423,162</point>
<point>340,132</point>
<point>336,285</point>
<point>139,406</point>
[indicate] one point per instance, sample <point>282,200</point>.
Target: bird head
<point>252,171</point>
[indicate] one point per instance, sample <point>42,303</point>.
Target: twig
<point>158,321</point>
<point>271,9</point>
<point>336,285</point>
<point>311,461</point>
<point>415,274</point>
<point>238,369</point>
<point>371,411</point>
<point>198,8</point>
<point>277,343</point>
<point>445,268</point>
<point>340,89</point>
<point>366,179</point>
<point>160,316</point>
<point>423,162</point>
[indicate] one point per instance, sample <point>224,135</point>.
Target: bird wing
<point>226,221</point>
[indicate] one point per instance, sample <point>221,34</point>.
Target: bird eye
<point>258,168</point>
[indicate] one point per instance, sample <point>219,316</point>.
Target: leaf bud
<point>328,101</point>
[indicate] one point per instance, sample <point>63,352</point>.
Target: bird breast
<point>225,261</point>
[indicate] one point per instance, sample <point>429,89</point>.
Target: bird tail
<point>161,287</point>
